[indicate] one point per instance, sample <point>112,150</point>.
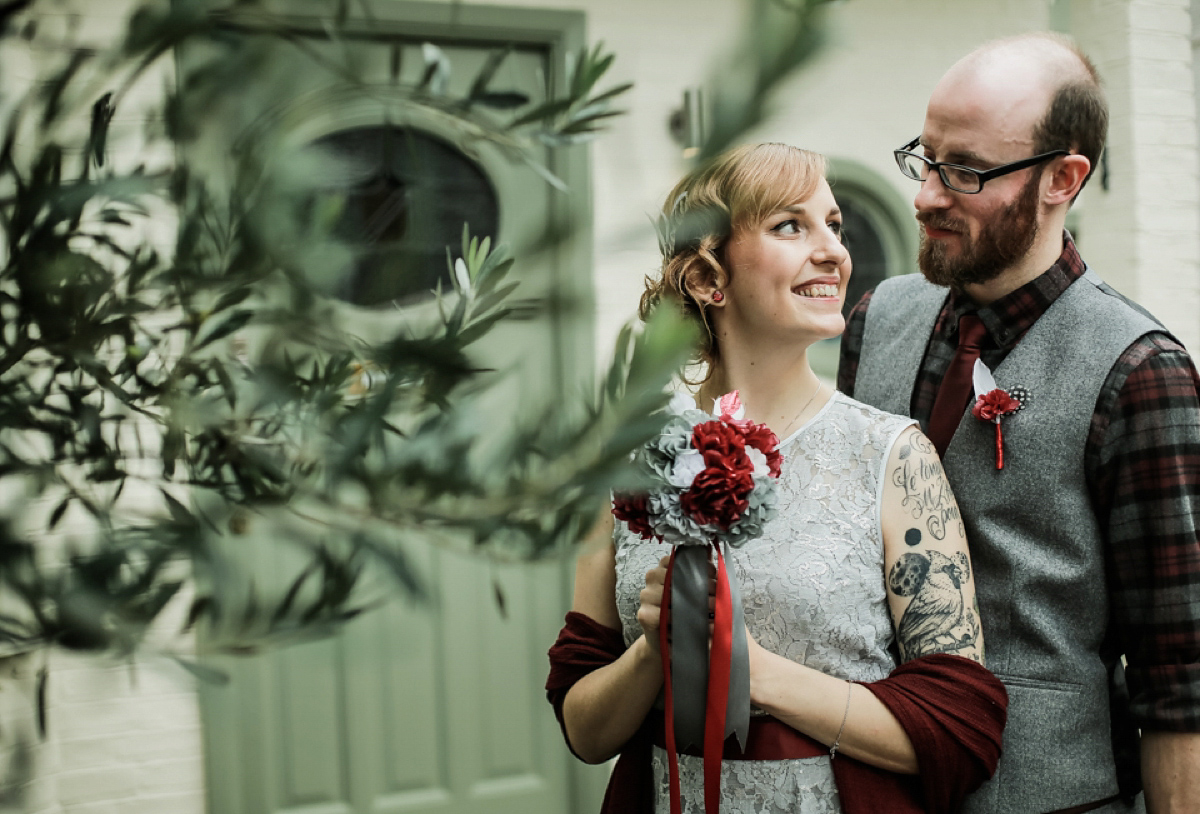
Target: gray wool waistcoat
<point>1034,539</point>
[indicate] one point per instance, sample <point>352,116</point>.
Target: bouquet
<point>712,487</point>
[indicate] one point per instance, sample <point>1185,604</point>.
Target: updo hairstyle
<point>732,192</point>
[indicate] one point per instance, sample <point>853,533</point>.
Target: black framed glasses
<point>956,176</point>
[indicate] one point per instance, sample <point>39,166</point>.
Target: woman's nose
<point>832,250</point>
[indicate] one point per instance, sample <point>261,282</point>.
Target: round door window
<point>866,250</point>
<point>408,195</point>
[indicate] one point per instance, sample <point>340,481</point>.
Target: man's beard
<point>1005,238</point>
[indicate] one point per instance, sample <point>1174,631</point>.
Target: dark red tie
<point>955,392</point>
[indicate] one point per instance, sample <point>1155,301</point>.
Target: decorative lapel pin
<point>993,403</point>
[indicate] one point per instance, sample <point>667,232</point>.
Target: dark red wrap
<point>952,709</point>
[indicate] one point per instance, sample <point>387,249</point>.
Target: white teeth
<point>818,291</point>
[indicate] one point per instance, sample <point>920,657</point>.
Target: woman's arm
<point>816,704</point>
<point>930,581</point>
<point>606,707</point>
<point>931,595</point>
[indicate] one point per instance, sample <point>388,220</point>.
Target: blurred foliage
<point>172,405</point>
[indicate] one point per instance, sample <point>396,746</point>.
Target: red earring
<point>718,296</point>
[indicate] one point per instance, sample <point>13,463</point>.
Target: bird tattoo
<point>937,619</point>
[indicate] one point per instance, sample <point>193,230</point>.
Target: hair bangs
<point>772,177</point>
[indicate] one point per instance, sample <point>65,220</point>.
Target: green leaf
<point>223,328</point>
<point>285,606</point>
<point>59,511</point>
<point>201,606</point>
<point>204,672</point>
<point>482,79</point>
<point>232,298</point>
<point>502,100</point>
<point>179,512</point>
<point>542,112</point>
<point>102,113</point>
<point>436,78</point>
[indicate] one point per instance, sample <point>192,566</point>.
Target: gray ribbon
<point>689,649</point>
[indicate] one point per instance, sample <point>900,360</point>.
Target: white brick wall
<point>121,738</point>
<point>1142,234</point>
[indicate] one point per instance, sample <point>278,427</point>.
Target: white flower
<point>463,277</point>
<point>761,468</point>
<point>681,403</point>
<point>687,466</point>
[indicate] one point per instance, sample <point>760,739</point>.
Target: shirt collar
<point>1008,318</point>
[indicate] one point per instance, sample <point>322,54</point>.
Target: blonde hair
<point>734,191</point>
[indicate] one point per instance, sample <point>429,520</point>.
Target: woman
<point>864,566</point>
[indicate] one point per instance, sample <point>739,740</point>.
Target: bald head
<point>1054,58</point>
<point>1037,91</point>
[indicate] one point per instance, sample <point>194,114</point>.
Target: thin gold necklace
<point>784,433</point>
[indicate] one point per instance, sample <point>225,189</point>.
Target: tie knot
<point>971,331</point>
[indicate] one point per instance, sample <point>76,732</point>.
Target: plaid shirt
<point>1142,462</point>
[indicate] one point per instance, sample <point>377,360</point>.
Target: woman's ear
<point>701,274</point>
<point>709,296</point>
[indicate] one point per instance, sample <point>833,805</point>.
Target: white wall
<point>121,738</point>
<point>1142,234</point>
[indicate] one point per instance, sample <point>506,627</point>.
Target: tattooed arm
<point>930,582</point>
<point>932,597</point>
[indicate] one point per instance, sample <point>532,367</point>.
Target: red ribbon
<point>664,628</point>
<point>720,661</point>
<point>999,445</point>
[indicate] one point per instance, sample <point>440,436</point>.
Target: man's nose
<point>932,195</point>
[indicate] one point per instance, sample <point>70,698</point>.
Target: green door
<point>434,708</point>
<point>411,710</point>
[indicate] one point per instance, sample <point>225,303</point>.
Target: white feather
<point>982,379</point>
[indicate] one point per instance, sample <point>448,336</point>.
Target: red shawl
<point>952,709</point>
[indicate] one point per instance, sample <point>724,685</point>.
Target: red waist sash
<point>769,739</point>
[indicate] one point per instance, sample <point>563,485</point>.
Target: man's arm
<point>1146,487</point>
<point>852,340</point>
<point>1171,772</point>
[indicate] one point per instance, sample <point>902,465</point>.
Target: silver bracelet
<point>833,749</point>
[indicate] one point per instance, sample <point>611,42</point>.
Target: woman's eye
<point>788,227</point>
<point>836,227</point>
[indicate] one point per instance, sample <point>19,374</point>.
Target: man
<point>1085,542</point>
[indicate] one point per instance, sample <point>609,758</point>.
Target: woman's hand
<point>650,611</point>
<point>606,707</point>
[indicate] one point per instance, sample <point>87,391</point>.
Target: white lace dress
<point>812,589</point>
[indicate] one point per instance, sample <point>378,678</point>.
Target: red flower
<point>718,496</point>
<point>632,509</point>
<point>760,437</point>
<point>994,404</point>
<point>722,445</point>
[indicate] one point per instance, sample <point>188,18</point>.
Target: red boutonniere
<point>993,406</point>
<point>993,403</point>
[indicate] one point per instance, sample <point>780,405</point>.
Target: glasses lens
<point>912,165</point>
<point>960,178</point>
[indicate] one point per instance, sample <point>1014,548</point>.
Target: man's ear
<point>1067,174</point>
